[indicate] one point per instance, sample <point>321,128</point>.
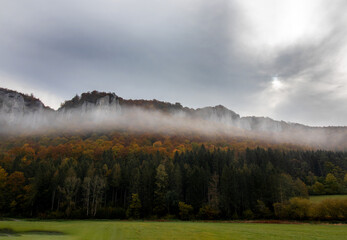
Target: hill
<point>93,111</point>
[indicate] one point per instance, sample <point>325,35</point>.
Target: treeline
<point>199,182</point>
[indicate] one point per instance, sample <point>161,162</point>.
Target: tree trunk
<point>53,196</point>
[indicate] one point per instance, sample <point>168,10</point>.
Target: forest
<point>119,175</point>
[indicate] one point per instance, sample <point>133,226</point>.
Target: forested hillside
<point>128,175</point>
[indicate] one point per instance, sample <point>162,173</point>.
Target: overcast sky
<point>283,59</point>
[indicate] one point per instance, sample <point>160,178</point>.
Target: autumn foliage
<point>138,175</point>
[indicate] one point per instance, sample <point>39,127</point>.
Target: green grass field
<point>102,230</point>
<point>323,197</point>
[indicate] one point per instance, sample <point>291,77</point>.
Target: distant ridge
<point>21,111</point>
<point>13,101</point>
<point>217,113</point>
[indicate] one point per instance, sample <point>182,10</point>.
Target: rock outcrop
<point>18,103</point>
<point>91,101</point>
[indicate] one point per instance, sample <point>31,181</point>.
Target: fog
<point>132,119</point>
<point>139,120</point>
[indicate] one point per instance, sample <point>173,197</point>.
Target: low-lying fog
<point>140,120</point>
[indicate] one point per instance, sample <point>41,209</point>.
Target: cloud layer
<point>196,52</point>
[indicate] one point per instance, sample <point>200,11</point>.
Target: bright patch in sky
<point>274,23</point>
<point>276,83</point>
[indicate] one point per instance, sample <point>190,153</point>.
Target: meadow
<point>320,198</point>
<point>103,230</point>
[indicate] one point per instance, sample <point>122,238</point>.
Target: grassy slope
<point>102,230</point>
<point>323,197</point>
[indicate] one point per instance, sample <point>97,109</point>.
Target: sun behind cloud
<point>276,83</point>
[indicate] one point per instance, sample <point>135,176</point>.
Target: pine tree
<point>161,188</point>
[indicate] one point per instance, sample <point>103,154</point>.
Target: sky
<point>280,59</point>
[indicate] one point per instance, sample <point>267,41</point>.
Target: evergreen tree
<point>135,206</point>
<point>161,188</point>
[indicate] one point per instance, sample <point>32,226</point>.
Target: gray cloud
<point>318,96</point>
<point>187,51</point>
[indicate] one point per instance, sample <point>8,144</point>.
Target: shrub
<point>185,210</point>
<point>248,214</point>
<point>281,210</point>
<point>208,213</point>
<point>54,215</point>
<point>262,211</point>
<point>331,209</point>
<point>77,214</point>
<point>299,209</point>
<point>295,208</point>
<point>111,213</point>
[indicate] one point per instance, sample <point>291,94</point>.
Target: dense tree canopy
<point>118,175</point>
